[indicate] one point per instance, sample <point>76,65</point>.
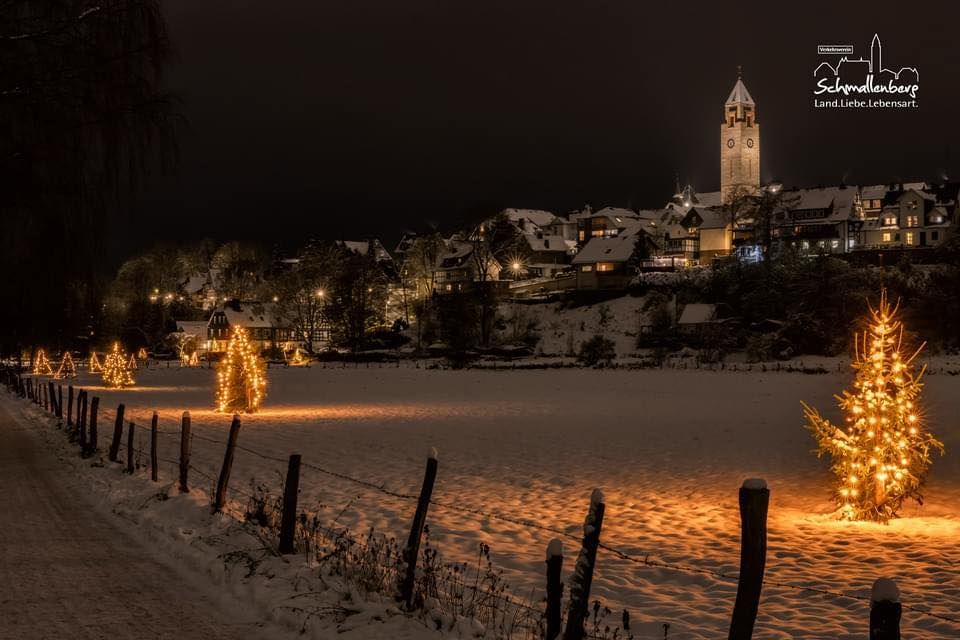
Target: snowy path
<point>69,572</point>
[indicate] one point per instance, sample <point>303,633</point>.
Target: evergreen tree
<point>241,376</point>
<point>882,456</point>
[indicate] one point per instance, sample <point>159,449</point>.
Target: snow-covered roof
<point>697,313</point>
<point>363,246</point>
<point>707,199</point>
<point>549,242</point>
<point>536,216</point>
<point>739,95</point>
<point>252,315</point>
<point>196,283</point>
<point>873,191</point>
<point>617,248</point>
<point>454,254</point>
<point>836,202</point>
<point>713,218</point>
<point>616,212</point>
<point>192,327</point>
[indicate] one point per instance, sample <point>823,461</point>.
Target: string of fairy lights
<point>116,368</point>
<point>883,455</point>
<point>241,376</point>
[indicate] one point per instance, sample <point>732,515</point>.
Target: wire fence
<point>455,505</point>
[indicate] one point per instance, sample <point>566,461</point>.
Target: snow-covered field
<point>670,449</point>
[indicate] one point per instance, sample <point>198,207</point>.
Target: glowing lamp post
<point>882,455</point>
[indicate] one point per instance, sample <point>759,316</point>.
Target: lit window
<point>909,237</point>
<point>604,266</point>
<point>913,221</point>
<point>886,236</point>
<point>587,267</point>
<point>834,244</point>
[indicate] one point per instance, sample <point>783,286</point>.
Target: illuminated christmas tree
<point>297,359</point>
<point>132,363</point>
<point>41,364</point>
<point>882,456</point>
<point>116,369</point>
<point>241,375</point>
<point>142,354</point>
<point>66,369</point>
<point>94,366</point>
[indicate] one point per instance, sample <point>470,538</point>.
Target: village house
<point>911,218</point>
<point>609,262</point>
<point>816,221</point>
<point>458,269</point>
<point>266,329</point>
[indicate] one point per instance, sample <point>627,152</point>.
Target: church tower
<point>739,142</point>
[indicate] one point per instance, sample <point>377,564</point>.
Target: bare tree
<point>82,118</point>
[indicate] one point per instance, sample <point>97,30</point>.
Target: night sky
<point>356,118</point>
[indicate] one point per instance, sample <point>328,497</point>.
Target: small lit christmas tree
<point>142,354</point>
<point>116,369</point>
<point>241,375</point>
<point>67,368</point>
<point>41,364</point>
<point>94,366</point>
<point>882,456</point>
<point>297,359</point>
<point>132,363</point>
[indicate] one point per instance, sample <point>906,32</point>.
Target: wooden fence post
<point>885,610</point>
<point>51,394</point>
<point>554,588</point>
<point>184,451</point>
<point>81,416</point>
<point>154,470</point>
<point>754,501</point>
<point>82,425</point>
<point>288,522</point>
<point>224,480</point>
<point>130,429</point>
<point>582,578</point>
<point>70,405</point>
<point>412,551</point>
<point>117,434</point>
<point>60,402</point>
<point>44,397</point>
<point>89,444</point>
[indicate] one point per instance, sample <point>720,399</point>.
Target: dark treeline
<point>82,118</point>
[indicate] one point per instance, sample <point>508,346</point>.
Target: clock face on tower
<point>730,143</point>
<point>750,142</point>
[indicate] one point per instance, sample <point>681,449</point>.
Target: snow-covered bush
<point>597,352</point>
